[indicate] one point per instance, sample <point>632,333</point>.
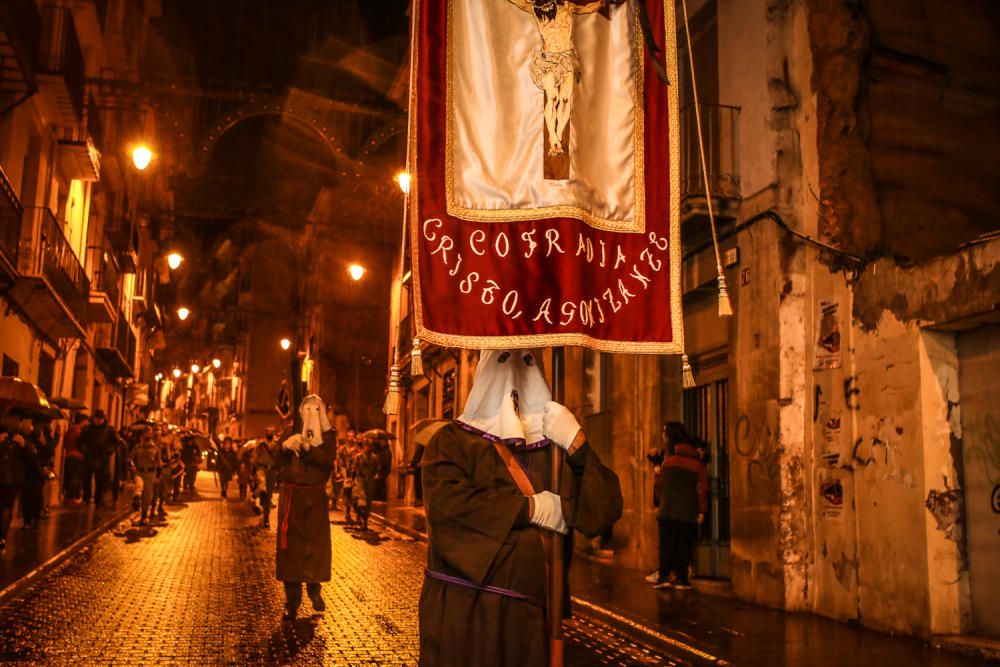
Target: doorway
<point>979,386</point>
<point>706,417</point>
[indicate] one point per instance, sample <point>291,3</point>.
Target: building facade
<point>852,444</point>
<point>78,221</point>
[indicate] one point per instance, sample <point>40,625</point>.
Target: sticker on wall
<point>831,441</point>
<point>831,497</point>
<point>827,353</point>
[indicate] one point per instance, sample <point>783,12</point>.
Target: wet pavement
<point>200,589</point>
<point>696,628</point>
<point>28,548</point>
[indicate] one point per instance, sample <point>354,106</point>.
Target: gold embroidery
<point>636,225</point>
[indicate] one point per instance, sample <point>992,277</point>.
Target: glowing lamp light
<point>174,260</point>
<point>216,362</point>
<point>285,344</point>
<point>356,271</point>
<point>141,157</point>
<point>177,372</point>
<point>159,376</point>
<point>195,368</point>
<point>183,313</point>
<point>403,179</point>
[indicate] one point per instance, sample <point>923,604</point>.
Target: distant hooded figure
<point>303,540</point>
<point>483,601</point>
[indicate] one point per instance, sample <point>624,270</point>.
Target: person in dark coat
<point>265,466</point>
<point>227,463</point>
<point>11,471</point>
<point>191,456</point>
<point>73,465</point>
<point>303,540</point>
<point>484,596</point>
<point>366,473</point>
<point>98,442</point>
<point>683,503</point>
<point>32,493</point>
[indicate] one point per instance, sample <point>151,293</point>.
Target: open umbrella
<point>68,403</point>
<point>425,429</point>
<point>376,434</point>
<point>24,396</point>
<point>200,439</point>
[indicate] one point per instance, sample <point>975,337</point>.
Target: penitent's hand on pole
<point>546,512</point>
<point>561,427</point>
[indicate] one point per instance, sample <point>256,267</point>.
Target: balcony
<point>61,71</point>
<point>720,128</point>
<point>104,279</point>
<point>116,346</point>
<point>79,147</point>
<point>52,288</point>
<point>20,32</point>
<point>11,213</point>
<point>404,340</point>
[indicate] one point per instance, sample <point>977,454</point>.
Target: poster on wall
<point>827,353</point>
<point>831,496</point>
<point>831,441</point>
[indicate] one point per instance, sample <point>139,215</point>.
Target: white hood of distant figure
<point>314,420</point>
<point>491,406</point>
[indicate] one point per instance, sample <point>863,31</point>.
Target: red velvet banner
<point>524,282</point>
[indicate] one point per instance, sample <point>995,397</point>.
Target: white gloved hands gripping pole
<point>548,512</point>
<point>559,425</point>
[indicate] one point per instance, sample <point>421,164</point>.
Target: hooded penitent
<point>508,396</point>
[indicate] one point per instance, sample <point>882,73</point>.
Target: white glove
<point>559,425</point>
<point>548,512</point>
<point>293,443</point>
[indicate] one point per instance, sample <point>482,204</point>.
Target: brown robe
<point>480,532</point>
<point>303,540</point>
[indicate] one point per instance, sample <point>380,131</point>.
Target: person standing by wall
<point>11,471</point>
<point>73,465</point>
<point>683,503</point>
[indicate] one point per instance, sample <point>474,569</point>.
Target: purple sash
<point>488,589</point>
<point>516,444</point>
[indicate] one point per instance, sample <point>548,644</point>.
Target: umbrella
<point>67,403</point>
<point>376,434</point>
<point>141,424</point>
<point>425,429</point>
<point>20,395</point>
<point>200,439</point>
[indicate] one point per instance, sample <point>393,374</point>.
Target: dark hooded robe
<point>303,540</point>
<point>480,535</point>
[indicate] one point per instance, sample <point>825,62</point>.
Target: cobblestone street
<point>200,590</point>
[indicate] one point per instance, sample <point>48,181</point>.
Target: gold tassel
<point>687,375</point>
<point>725,305</point>
<point>392,398</point>
<point>416,359</point>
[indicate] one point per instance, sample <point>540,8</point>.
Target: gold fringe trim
<point>416,359</point>
<point>687,375</point>
<point>725,305</point>
<point>392,399</point>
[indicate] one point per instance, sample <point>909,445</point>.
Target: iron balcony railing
<point>60,52</point>
<point>20,20</point>
<point>54,259</point>
<point>720,131</point>
<point>104,275</point>
<point>125,340</point>
<point>11,213</point>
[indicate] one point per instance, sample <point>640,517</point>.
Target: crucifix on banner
<point>555,69</point>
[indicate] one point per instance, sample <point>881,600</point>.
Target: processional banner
<point>544,162</point>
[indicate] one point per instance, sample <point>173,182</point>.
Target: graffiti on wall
<point>758,442</point>
<point>947,506</point>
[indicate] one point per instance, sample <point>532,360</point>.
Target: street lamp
<point>285,344</point>
<point>195,368</point>
<point>177,373</point>
<point>403,179</point>
<point>159,376</point>
<point>216,362</point>
<point>141,156</point>
<point>174,260</point>
<point>356,271</point>
<point>183,313</point>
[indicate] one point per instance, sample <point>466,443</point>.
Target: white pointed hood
<point>314,420</point>
<point>491,408</point>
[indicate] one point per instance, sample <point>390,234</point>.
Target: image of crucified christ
<point>556,68</point>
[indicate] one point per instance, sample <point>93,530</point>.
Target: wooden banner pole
<point>556,565</point>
